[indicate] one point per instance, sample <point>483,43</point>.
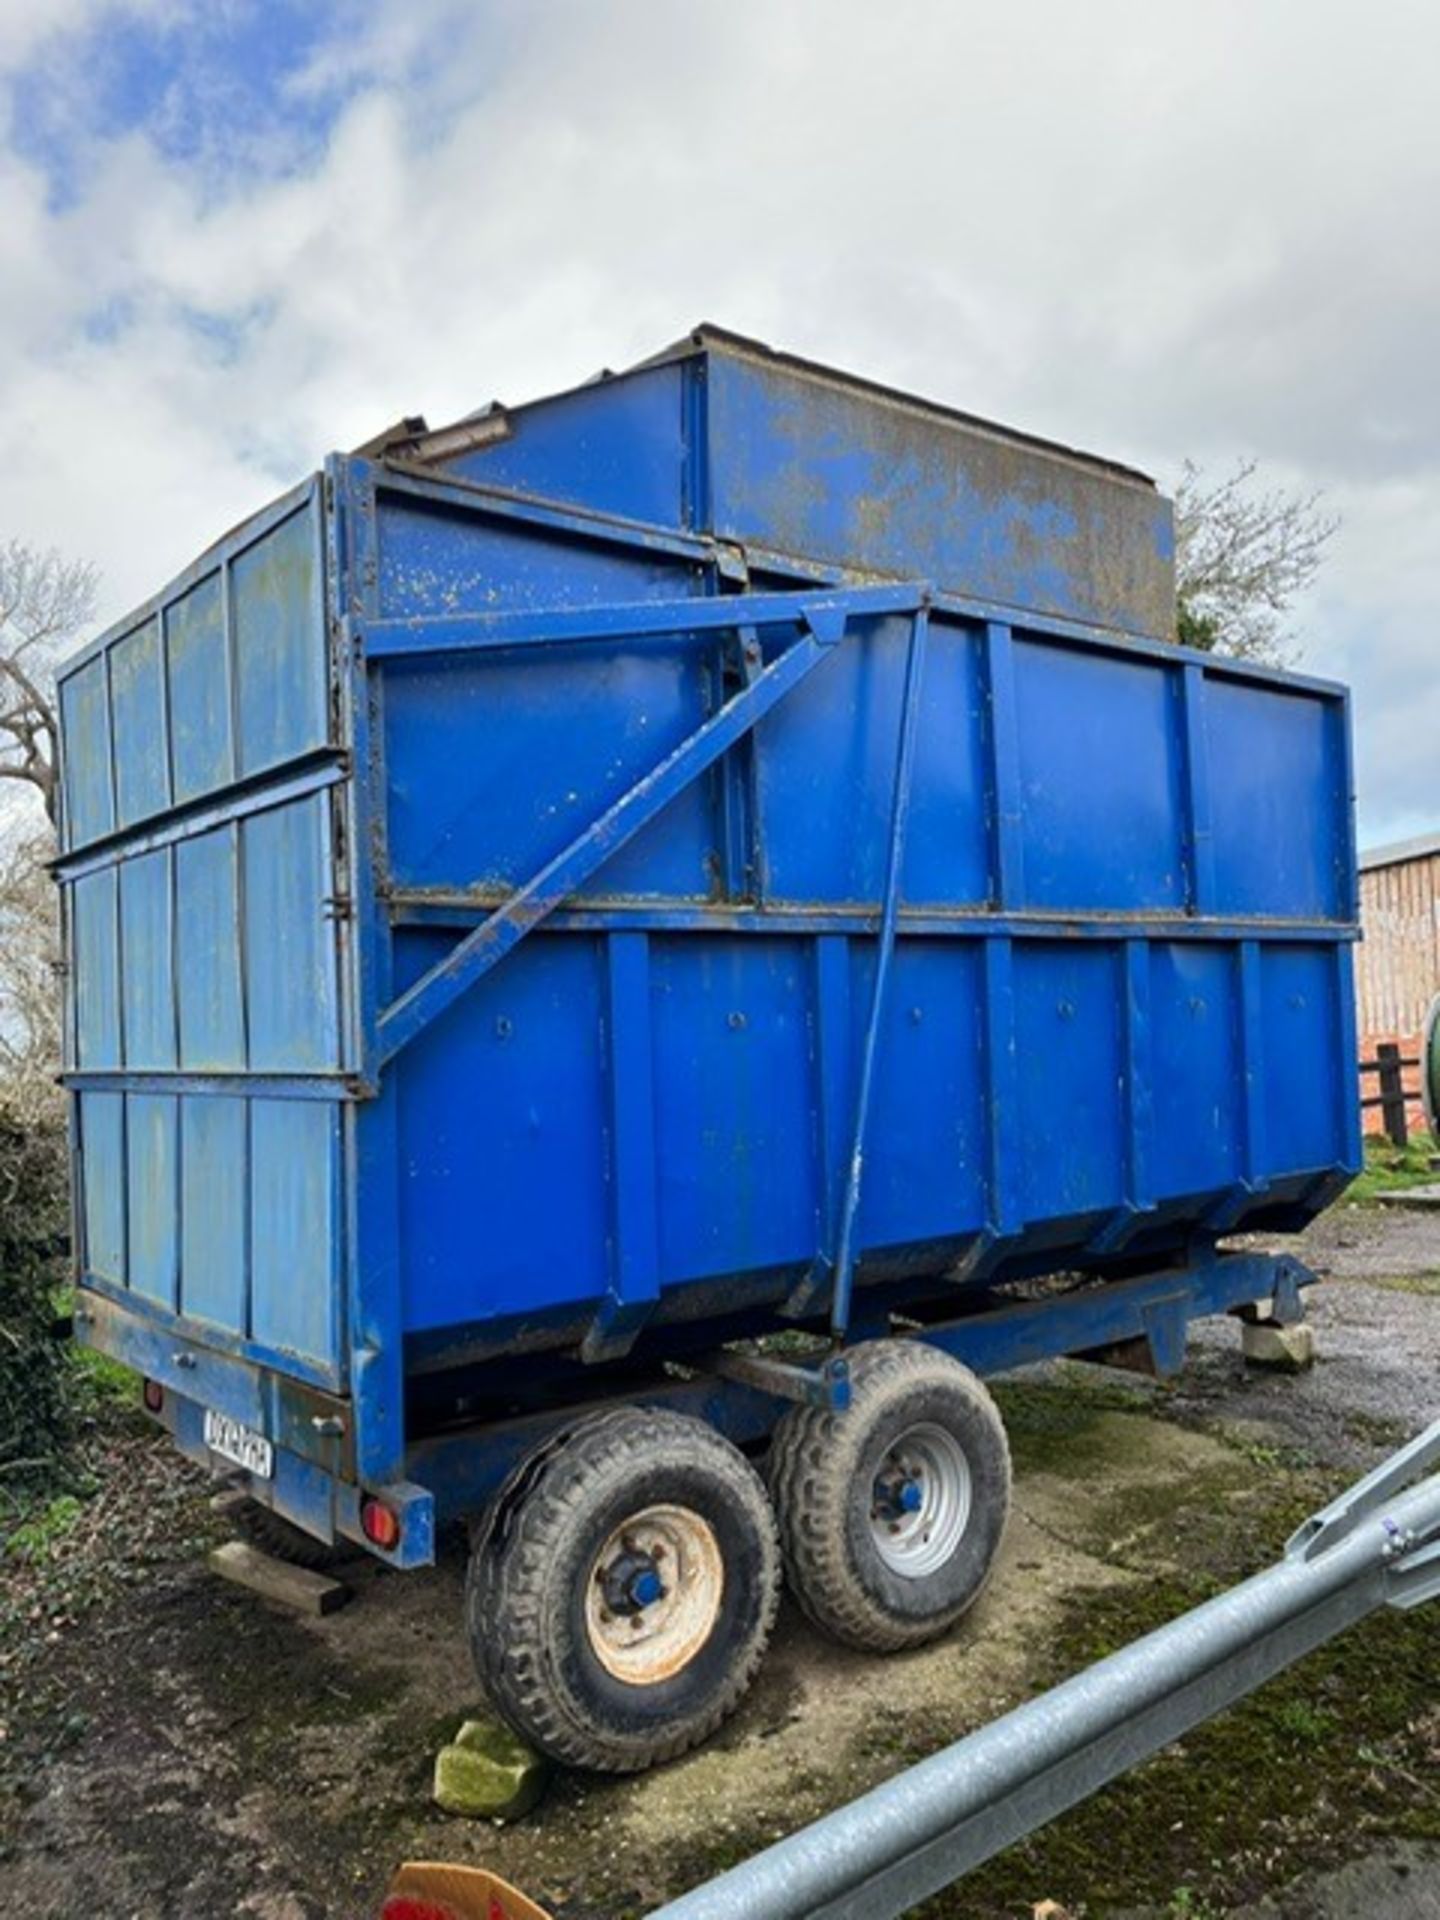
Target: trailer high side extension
<point>722,852</point>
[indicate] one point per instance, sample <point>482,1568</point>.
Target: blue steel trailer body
<point>724,850</point>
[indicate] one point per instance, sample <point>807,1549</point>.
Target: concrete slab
<point>1422,1199</point>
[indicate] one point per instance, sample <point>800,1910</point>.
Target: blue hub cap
<point>631,1582</point>
<point>646,1588</point>
<point>897,1494</point>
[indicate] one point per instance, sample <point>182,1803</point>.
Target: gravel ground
<point>1376,1383</point>
<point>1377,1325</point>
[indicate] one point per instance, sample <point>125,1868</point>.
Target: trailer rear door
<point>206,1032</point>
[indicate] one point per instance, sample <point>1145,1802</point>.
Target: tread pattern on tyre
<point>272,1533</point>
<point>811,1498</point>
<point>512,1614</point>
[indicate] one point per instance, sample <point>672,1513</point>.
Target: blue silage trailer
<point>724,852</point>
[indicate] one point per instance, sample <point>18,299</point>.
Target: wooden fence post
<point>1392,1093</point>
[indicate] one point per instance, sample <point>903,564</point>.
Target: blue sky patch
<point>213,88</point>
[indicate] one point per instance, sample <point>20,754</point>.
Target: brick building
<point>1397,964</point>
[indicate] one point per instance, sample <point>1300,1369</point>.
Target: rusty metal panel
<point>812,465</point>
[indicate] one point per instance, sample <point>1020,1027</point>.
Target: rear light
<point>380,1525</point>
<point>412,1906</point>
<point>154,1396</point>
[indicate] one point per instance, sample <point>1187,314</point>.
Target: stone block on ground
<point>488,1773</point>
<point>1283,1349</point>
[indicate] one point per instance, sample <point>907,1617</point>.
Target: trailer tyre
<point>892,1512</point>
<point>272,1533</point>
<point>622,1594</point>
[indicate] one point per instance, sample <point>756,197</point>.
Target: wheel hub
<point>631,1582</point>
<point>920,1500</point>
<point>653,1595</point>
<point>897,1494</point>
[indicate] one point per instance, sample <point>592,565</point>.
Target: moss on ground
<point>1318,1765</point>
<point>1391,1169</point>
<point>1427,1285</point>
<point>1060,1426</point>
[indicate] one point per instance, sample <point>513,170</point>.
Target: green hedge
<point>36,1399</point>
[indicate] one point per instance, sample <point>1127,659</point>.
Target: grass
<point>1391,1169</point>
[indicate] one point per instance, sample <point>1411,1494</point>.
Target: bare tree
<point>1243,554</point>
<point>44,601</point>
<point>29,1002</point>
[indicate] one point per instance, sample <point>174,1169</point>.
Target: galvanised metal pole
<point>904,1841</point>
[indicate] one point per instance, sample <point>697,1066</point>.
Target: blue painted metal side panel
<point>137,703</point>
<point>733,1105</point>
<point>89,773</point>
<point>498,815</point>
<point>153,704</point>
<point>434,561</point>
<point>101,1134</point>
<point>925,1159</point>
<point>1197,1098</point>
<point>505,1088</point>
<point>294,1215</point>
<point>208,953</point>
<point>291,997</point>
<point>205,950</point>
<point>1067,1050</point>
<point>787,459</point>
<point>152,1191</point>
<point>828,754</point>
<point>94,923</point>
<point>279,650</point>
<point>1280,813</point>
<point>215,1229</point>
<point>619,448</point>
<point>1030,1090</point>
<point>202,742</point>
<point>1304,1090</point>
<point>147,947</point>
<point>1100,780</point>
<point>947,859</point>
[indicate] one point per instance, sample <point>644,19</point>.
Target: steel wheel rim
<point>918,1542</point>
<point>646,1644</point>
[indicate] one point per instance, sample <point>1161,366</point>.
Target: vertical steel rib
<point>884,953</point>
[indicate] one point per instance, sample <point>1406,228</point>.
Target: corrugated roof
<point>1397,852</point>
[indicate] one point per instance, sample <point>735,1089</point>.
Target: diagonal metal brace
<point>822,619</point>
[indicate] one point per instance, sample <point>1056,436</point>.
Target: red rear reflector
<point>154,1396</point>
<point>412,1906</point>
<point>381,1525</point>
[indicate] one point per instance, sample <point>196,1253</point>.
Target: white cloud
<point>1152,231</point>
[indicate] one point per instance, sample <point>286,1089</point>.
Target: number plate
<point>240,1444</point>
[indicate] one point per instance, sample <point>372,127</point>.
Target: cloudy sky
<point>237,233</point>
